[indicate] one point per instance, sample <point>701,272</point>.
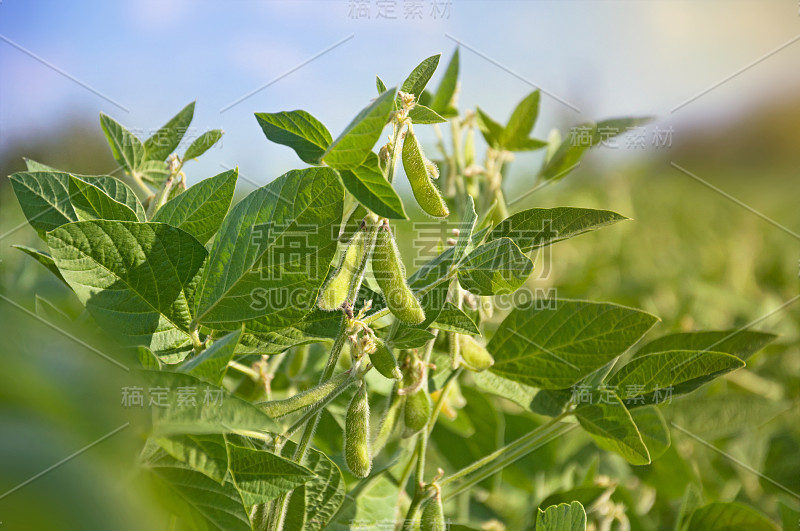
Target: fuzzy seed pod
<point>356,434</point>
<point>384,361</point>
<point>416,412</point>
<point>416,167</point>
<point>432,514</point>
<point>391,277</point>
<point>474,356</point>
<point>334,293</point>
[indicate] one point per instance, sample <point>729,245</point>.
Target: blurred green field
<point>689,255</point>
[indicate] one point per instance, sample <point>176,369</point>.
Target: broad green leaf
<point>201,209</point>
<point>44,198</point>
<point>416,81</point>
<point>212,364</point>
<point>136,279</point>
<point>730,516</point>
<point>368,184</point>
<point>371,503</point>
<point>315,327</point>
<point>408,337</point>
<point>494,268</point>
<point>200,501</point>
<point>679,371</point>
<point>188,405</point>
<point>127,149</point>
<point>611,426</point>
<point>451,319</point>
<point>116,190</point>
<point>739,343</point>
<point>539,227</point>
<point>520,125</point>
<point>443,100</point>
<point>554,346</point>
<point>718,416</point>
<point>563,517</point>
<point>165,140</point>
<point>434,301</point>
<point>202,144</point>
<point>262,476</point>
<point>43,258</point>
<point>495,384</point>
<point>90,203</point>
<point>492,131</point>
<point>465,229</point>
<point>205,453</point>
<point>272,253</point>
<point>653,429</point>
<point>154,172</point>
<point>352,147</point>
<point>306,135</point>
<point>420,114</point>
<point>315,502</point>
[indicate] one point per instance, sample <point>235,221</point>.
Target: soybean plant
<point>284,302</point>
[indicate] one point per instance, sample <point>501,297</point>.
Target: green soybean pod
<point>356,434</point>
<point>390,274</point>
<point>474,356</point>
<point>334,292</point>
<point>433,514</point>
<point>416,168</point>
<point>416,412</point>
<point>384,361</point>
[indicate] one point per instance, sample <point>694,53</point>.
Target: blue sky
<point>607,57</point>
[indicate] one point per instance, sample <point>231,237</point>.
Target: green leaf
<point>679,371</point>
<point>371,503</point>
<point>147,359</point>
<point>443,100</point>
<point>33,166</point>
<point>136,279</point>
<point>416,81</point>
<point>538,227</point>
<point>43,258</point>
<point>408,337</point>
<point>370,187</point>
<point>154,172</point>
<point>730,516</point>
<point>201,209</point>
<point>434,301</point>
<point>492,131</point>
<point>495,384</point>
<point>562,517</point>
<point>200,501</point>
<point>520,125</point>
<point>165,140</point>
<point>44,198</point>
<point>202,144</point>
<point>116,190</point>
<point>451,319</point>
<point>262,476</point>
<point>189,405</point>
<point>739,343</point>
<point>495,268</point>
<point>420,114</point>
<point>719,416</point>
<point>352,147</point>
<point>272,253</point>
<point>90,203</point>
<point>306,135</point>
<point>127,149</point>
<point>465,228</point>
<point>554,346</point>
<point>380,85</point>
<point>315,502</point>
<point>205,453</point>
<point>653,429</point>
<point>611,426</point>
<point>315,327</point>
<point>212,364</point>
